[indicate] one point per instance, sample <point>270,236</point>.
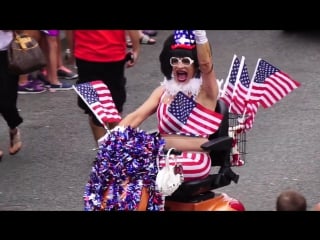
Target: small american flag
<point>184,39</point>
<point>277,84</point>
<point>231,81</point>
<point>187,116</point>
<point>258,86</point>
<point>242,103</point>
<point>98,98</point>
<point>240,97</point>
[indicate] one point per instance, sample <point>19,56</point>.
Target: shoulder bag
<point>25,55</point>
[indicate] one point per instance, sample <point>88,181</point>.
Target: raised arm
<point>210,85</point>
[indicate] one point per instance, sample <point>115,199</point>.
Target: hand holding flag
<point>98,98</point>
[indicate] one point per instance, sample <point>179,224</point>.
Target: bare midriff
<point>184,143</point>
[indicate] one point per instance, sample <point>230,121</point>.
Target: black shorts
<point>111,73</point>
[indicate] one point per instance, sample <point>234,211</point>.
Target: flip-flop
<point>15,142</point>
<point>145,39</point>
<point>1,155</point>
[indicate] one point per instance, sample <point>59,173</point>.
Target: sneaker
<point>39,82</point>
<point>36,81</point>
<point>43,79</point>
<point>30,88</point>
<point>66,74</point>
<point>62,86</point>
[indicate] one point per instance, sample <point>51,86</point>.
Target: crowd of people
<point>186,61</point>
<point>55,75</point>
<point>50,77</point>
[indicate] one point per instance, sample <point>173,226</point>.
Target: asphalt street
<point>53,167</point>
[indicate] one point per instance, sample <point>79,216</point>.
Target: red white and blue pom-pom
<point>125,163</point>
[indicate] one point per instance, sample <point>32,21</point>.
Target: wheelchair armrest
<point>229,174</point>
<point>218,144</point>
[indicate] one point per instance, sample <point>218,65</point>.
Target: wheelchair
<point>198,195</point>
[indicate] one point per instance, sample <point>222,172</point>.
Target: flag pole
<point>221,86</point>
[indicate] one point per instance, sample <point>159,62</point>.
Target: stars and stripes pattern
<point>241,102</point>
<point>277,84</point>
<point>231,81</point>
<point>98,98</point>
<point>258,86</point>
<point>184,39</point>
<point>240,96</point>
<point>186,116</point>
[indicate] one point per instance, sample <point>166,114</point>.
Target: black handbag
<point>25,55</point>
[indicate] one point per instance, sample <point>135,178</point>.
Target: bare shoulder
<point>155,96</point>
<point>157,92</point>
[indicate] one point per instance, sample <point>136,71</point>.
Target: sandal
<point>1,155</point>
<point>150,33</point>
<point>145,39</point>
<point>15,141</point>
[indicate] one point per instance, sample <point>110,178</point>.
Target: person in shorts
<point>101,55</point>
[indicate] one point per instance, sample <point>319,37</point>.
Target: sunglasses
<point>174,61</point>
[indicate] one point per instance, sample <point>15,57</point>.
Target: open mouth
<point>182,76</point>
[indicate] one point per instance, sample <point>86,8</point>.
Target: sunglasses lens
<point>186,61</point>
<point>174,61</point>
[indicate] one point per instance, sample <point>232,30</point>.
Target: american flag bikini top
<point>184,116</point>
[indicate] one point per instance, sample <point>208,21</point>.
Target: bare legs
<point>52,59</point>
<point>99,131</point>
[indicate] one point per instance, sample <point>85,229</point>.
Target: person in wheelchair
<point>185,102</point>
